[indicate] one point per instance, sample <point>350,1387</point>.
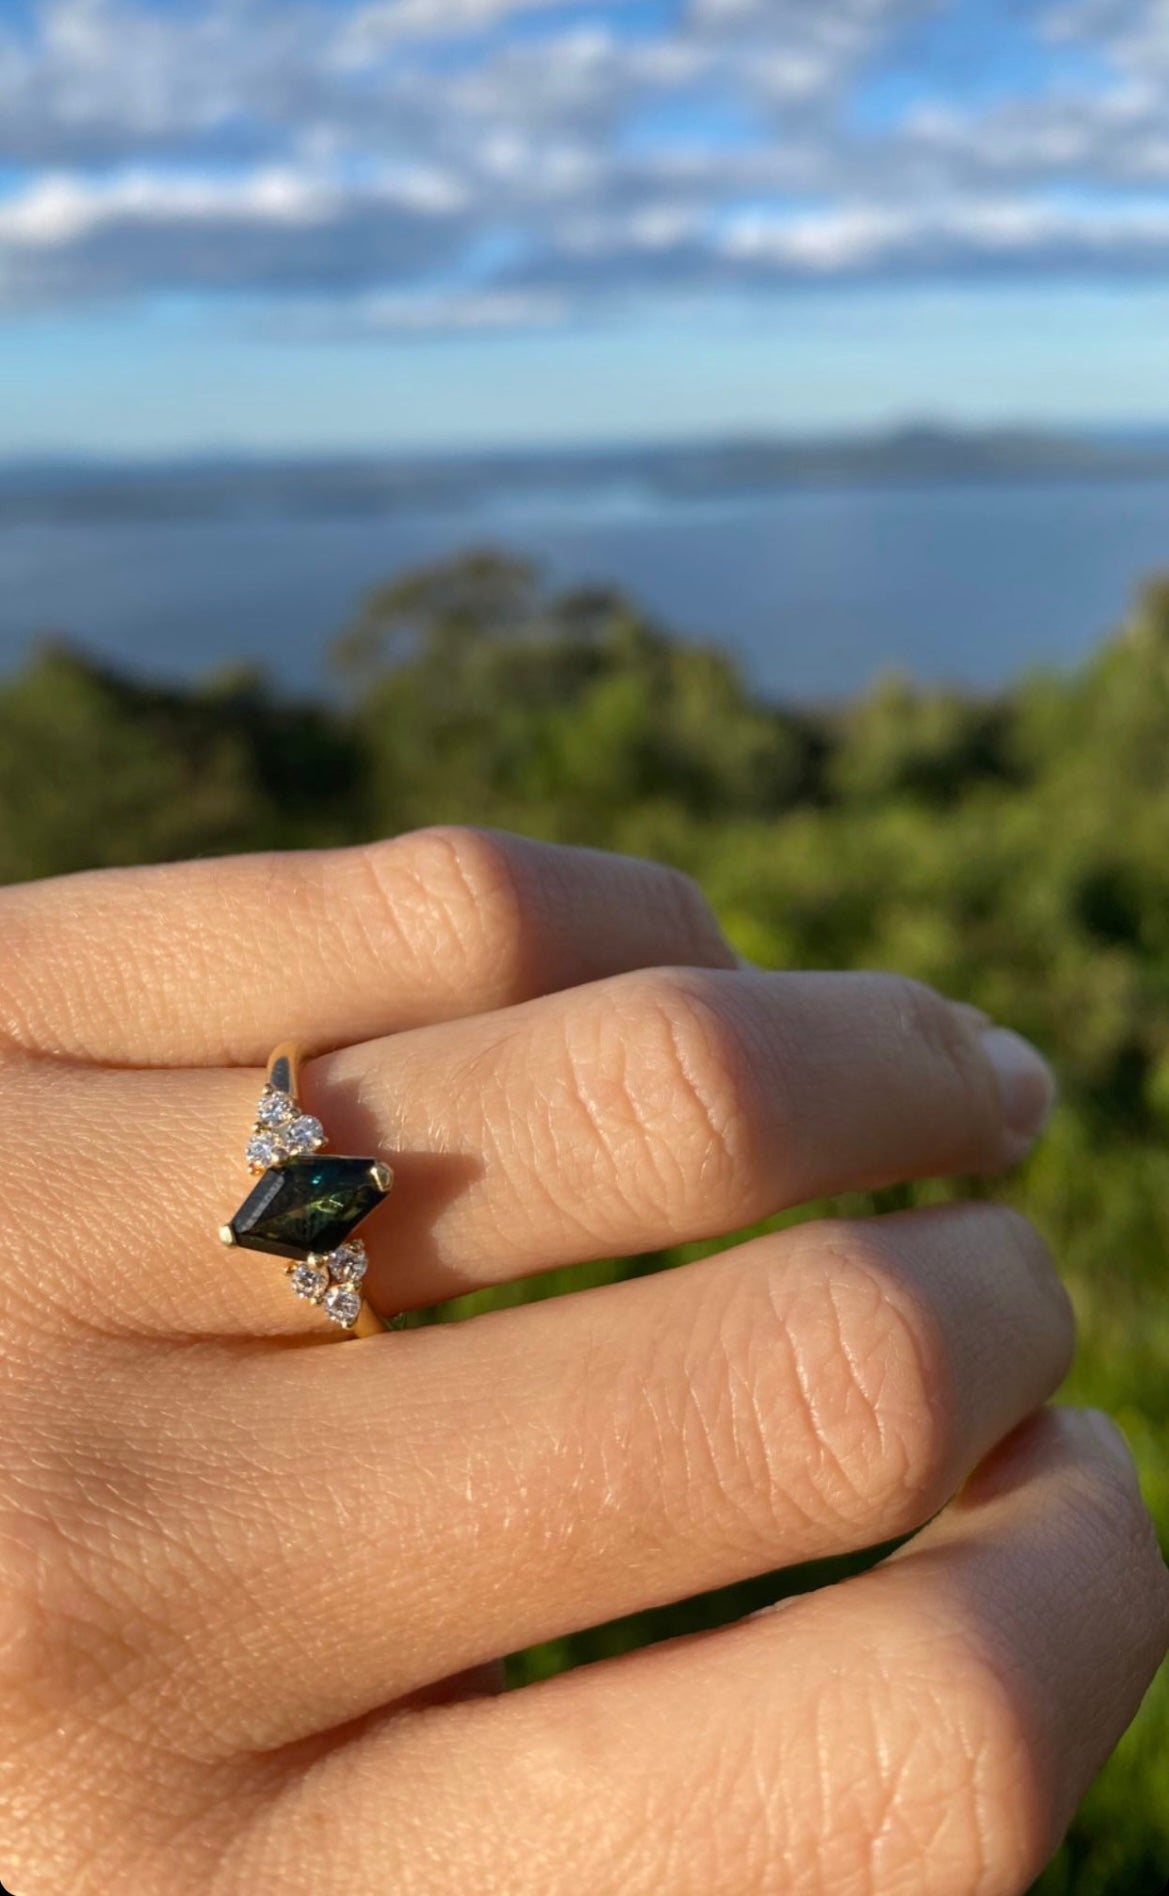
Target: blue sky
<point>383,223</point>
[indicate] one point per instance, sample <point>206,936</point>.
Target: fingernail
<point>1026,1085</point>
<point>1111,1439</point>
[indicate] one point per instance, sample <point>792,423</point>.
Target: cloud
<point>412,166</point>
<point>965,235</point>
<point>107,80</point>
<point>98,80</point>
<point>387,23</point>
<point>276,229</point>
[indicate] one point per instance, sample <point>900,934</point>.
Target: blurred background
<point>735,431</point>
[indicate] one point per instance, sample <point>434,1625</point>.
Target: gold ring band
<point>307,1203</point>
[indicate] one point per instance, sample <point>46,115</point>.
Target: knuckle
<point>1032,1258</point>
<point>811,1403</point>
<point>929,1017</point>
<point>959,1788</point>
<point>867,1380</point>
<point>453,897</point>
<point>1008,1823</point>
<point>679,1091</point>
<point>910,1765</point>
<point>1118,1528</point>
<point>687,912</point>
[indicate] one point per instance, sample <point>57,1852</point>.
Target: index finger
<point>212,963</point>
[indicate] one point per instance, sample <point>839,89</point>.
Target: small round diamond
<point>343,1305</point>
<point>303,1135</point>
<point>349,1264</point>
<point>309,1282</point>
<point>275,1109</point>
<point>264,1149</point>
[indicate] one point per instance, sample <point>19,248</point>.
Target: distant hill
<point>217,486</point>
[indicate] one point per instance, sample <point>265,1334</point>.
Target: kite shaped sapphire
<point>309,1207</point>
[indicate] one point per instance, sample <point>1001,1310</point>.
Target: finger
<point>550,1468</point>
<point>663,1107</point>
<point>643,1111</point>
<point>213,963</point>
<point>930,1726</point>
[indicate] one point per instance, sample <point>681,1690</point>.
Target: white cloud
<point>410,164</point>
<point>277,229</point>
<point>59,210</point>
<point>116,79</point>
<point>1107,130</point>
<point>107,79</point>
<point>960,234</point>
<point>367,33</point>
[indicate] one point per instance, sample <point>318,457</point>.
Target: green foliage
<point>1014,851</point>
<point>565,715</point>
<point>97,769</point>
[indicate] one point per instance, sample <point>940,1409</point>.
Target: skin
<point>254,1583</point>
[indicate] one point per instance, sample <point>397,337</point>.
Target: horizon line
<point>20,458</point>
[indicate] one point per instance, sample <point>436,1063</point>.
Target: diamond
<point>264,1149</point>
<point>343,1305</point>
<point>303,1136</point>
<point>349,1264</point>
<point>275,1109</point>
<point>308,1282</point>
<point>309,1207</point>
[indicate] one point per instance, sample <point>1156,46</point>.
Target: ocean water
<point>815,590</point>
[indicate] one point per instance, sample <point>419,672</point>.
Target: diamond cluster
<point>301,1199</point>
<point>282,1132</point>
<point>333,1282</point>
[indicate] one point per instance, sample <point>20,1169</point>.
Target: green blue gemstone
<point>308,1206</point>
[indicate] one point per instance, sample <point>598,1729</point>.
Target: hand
<point>251,1590</point>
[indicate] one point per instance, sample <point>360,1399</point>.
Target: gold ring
<point>307,1204</point>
